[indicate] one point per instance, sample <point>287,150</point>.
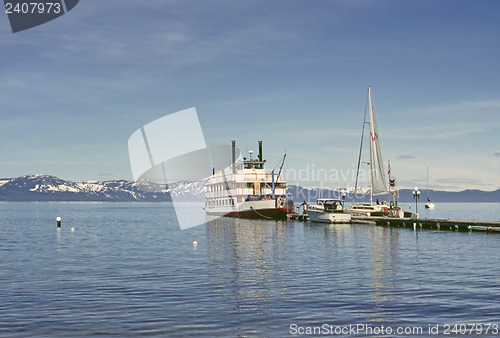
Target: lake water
<point>127,269</point>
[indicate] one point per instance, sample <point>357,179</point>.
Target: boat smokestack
<point>260,150</point>
<point>234,156</point>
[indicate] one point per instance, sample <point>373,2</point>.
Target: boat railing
<point>261,197</point>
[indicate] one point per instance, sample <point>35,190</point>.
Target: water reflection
<point>121,271</point>
<point>336,234</point>
<point>384,249</point>
<point>368,257</point>
<point>250,254</point>
<point>341,267</point>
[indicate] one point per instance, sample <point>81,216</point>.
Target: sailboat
<point>429,204</point>
<point>378,182</point>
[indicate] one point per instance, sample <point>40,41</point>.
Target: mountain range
<point>51,188</point>
<point>404,195</point>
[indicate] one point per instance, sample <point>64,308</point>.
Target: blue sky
<point>291,73</point>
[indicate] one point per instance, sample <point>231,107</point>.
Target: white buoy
<point>58,219</point>
<point>72,229</point>
<point>195,243</point>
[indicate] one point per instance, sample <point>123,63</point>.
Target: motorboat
<point>328,210</point>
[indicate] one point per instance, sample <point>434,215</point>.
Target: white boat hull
<point>376,210</point>
<point>430,205</point>
<point>381,210</point>
<point>328,217</point>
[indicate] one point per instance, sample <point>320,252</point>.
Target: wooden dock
<point>298,217</point>
<point>420,223</point>
<point>430,223</point>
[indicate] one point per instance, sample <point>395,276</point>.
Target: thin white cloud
<point>434,131</point>
<point>444,121</point>
<point>461,109</point>
<point>406,157</point>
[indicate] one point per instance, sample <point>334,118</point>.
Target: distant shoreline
<point>46,188</point>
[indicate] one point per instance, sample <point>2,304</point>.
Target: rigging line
<point>360,150</point>
<point>264,216</point>
<point>277,164</point>
<point>281,167</point>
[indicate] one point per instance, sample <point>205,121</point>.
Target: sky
<point>292,73</point>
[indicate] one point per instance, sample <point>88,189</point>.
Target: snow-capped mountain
<point>51,188</point>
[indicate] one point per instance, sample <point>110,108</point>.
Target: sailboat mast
<point>427,192</point>
<point>378,184</point>
<point>391,190</point>
<point>359,157</point>
<point>370,106</point>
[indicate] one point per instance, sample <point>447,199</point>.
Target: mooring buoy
<point>58,219</point>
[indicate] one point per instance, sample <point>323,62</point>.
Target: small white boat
<point>328,210</point>
<point>429,204</point>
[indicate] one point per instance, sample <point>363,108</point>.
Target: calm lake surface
<point>128,270</point>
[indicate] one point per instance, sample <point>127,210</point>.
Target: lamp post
<point>416,196</point>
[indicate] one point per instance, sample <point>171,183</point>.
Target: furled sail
<point>378,181</point>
